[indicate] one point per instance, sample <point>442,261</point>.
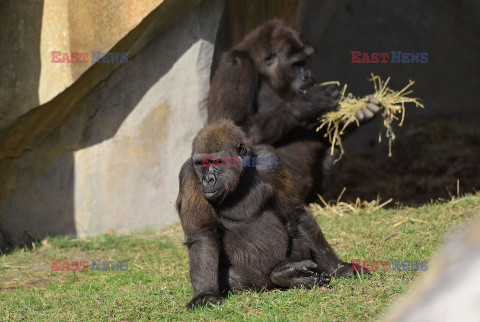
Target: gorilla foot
<point>351,270</point>
<point>296,274</point>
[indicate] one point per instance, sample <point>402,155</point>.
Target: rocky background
<point>85,148</point>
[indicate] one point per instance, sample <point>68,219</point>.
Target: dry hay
<point>340,208</point>
<point>391,102</point>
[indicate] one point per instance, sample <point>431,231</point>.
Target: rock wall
<point>34,28</point>
<point>112,160</point>
<point>447,30</point>
<point>89,147</point>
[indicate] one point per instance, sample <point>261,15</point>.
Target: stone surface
<point>448,83</point>
<point>86,149</point>
<point>19,58</point>
<point>113,161</point>
<point>130,181</point>
<point>34,28</point>
<point>450,290</point>
<point>25,127</point>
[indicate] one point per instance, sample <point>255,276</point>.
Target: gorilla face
<point>213,174</point>
<point>212,183</point>
<point>304,78</point>
<point>218,167</point>
<point>287,65</point>
<point>219,172</point>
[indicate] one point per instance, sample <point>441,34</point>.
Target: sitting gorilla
<point>264,84</point>
<point>245,226</point>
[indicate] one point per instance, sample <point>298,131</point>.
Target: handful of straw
<point>391,103</point>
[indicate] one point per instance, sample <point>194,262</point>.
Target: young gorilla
<point>245,227</point>
<point>264,84</point>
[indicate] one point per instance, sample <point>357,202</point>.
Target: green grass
<point>156,285</point>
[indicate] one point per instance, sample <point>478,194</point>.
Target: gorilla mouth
<point>211,194</point>
<point>305,87</point>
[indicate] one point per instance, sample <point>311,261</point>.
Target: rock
<point>35,28</point>
<point>86,148</point>
<point>450,291</point>
<point>113,161</point>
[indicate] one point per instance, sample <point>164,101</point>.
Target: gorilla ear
<point>270,59</point>
<point>241,149</point>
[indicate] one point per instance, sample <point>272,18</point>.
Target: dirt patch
<point>426,164</point>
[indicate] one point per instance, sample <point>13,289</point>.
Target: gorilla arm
<point>307,237</point>
<point>272,123</point>
<point>201,238</point>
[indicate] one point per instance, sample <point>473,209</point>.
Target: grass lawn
<point>156,284</point>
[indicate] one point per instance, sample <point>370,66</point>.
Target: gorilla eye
<point>270,59</point>
<point>241,149</point>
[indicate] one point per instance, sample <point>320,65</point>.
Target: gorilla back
<point>245,226</point>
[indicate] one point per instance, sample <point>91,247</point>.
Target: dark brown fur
<point>257,233</point>
<point>268,102</point>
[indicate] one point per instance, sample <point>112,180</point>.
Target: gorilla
<point>244,224</point>
<point>264,84</point>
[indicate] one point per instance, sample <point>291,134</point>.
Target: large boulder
<point>89,147</point>
<point>450,291</point>
<point>34,28</point>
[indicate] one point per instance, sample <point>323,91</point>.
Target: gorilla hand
<point>203,300</point>
<point>317,100</point>
<point>369,112</point>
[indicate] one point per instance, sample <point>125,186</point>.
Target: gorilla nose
<point>308,78</point>
<point>209,181</point>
